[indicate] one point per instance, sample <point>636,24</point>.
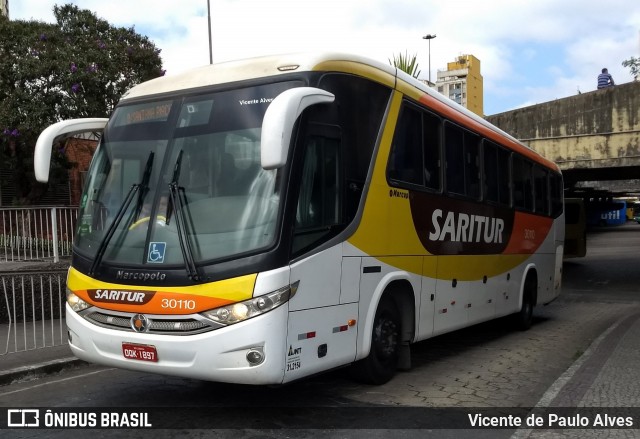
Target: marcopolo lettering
<point>395,193</point>
<point>140,275</point>
<point>461,227</point>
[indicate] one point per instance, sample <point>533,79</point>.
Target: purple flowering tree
<point>76,67</point>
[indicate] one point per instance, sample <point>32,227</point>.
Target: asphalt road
<point>486,366</point>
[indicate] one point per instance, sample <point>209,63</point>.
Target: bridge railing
<point>36,233</point>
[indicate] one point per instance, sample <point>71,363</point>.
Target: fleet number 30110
<point>179,304</point>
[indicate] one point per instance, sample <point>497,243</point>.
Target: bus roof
<point>260,67</point>
<point>245,69</point>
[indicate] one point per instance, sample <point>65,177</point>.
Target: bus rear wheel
<point>381,363</point>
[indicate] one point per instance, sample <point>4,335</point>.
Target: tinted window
<point>462,161</point>
<point>522,183</point>
<point>541,176</point>
<point>432,162</point>
<point>320,198</point>
<point>415,152</point>
<point>496,174</point>
<point>358,111</point>
<point>556,190</point>
<point>406,161</point>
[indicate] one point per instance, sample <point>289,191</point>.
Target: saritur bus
<point>263,220</point>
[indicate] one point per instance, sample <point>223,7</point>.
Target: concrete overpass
<point>594,137</point>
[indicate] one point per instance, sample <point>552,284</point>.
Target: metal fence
<point>36,233</point>
<point>32,310</point>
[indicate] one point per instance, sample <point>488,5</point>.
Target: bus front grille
<point>172,325</point>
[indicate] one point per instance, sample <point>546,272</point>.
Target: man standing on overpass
<point>605,80</point>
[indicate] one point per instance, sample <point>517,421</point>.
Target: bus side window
<point>462,167</point>
<point>454,166</point>
<point>415,152</point>
<point>406,163</point>
<point>557,192</point>
<point>541,180</point>
<point>522,183</point>
<point>432,162</point>
<point>496,174</point>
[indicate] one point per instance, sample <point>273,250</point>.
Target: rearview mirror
<point>55,133</point>
<point>279,119</point>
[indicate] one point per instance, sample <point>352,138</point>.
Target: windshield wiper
<point>139,188</point>
<point>176,196</point>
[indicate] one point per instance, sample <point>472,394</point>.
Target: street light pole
<point>429,37</point>
<point>209,22</point>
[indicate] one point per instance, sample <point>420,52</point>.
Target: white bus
<point>260,221</point>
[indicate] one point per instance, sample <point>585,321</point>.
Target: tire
<point>382,362</point>
<point>524,318</point>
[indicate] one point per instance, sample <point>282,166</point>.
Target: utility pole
<point>209,23</point>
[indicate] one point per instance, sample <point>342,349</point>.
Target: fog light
<point>255,357</point>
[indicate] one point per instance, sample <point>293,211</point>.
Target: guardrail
<point>32,310</point>
<point>36,233</point>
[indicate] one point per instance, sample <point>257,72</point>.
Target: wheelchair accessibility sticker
<point>156,252</point>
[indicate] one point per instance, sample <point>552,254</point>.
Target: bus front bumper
<point>218,355</point>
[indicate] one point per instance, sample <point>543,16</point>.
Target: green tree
<point>633,64</point>
<point>77,67</point>
<point>406,64</point>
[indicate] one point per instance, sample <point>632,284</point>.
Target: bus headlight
<point>75,302</point>
<point>237,312</point>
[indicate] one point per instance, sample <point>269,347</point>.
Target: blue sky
<point>531,51</point>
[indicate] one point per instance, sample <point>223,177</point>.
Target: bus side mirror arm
<point>279,120</point>
<point>56,132</point>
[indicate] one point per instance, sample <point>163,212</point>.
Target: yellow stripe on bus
<point>203,297</point>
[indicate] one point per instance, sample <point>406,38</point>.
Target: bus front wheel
<point>381,363</point>
<point>524,318</point>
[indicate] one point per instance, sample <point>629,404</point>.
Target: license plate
<point>139,352</point>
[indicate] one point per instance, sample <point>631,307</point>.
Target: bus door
<point>319,334</point>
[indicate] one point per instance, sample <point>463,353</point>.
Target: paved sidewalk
<point>31,364</point>
<point>605,376</point>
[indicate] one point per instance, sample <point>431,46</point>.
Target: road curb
<point>26,373</point>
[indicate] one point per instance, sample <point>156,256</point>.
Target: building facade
<point>462,83</point>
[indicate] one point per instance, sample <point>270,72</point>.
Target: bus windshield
<point>180,178</point>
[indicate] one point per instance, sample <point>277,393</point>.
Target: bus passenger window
<point>522,183</point>
<point>432,161</point>
<point>463,161</point>
<point>454,167</point>
<point>557,194</point>
<point>405,163</point>
<point>496,174</point>
<point>415,153</point>
<point>542,190</point>
<point>472,165</point>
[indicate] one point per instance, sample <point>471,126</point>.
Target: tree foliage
<point>633,64</point>
<point>406,64</point>
<point>77,67</point>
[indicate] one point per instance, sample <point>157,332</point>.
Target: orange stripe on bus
<point>162,302</point>
<point>456,116</point>
<point>528,234</point>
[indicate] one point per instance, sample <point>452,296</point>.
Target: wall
<point>598,129</point>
